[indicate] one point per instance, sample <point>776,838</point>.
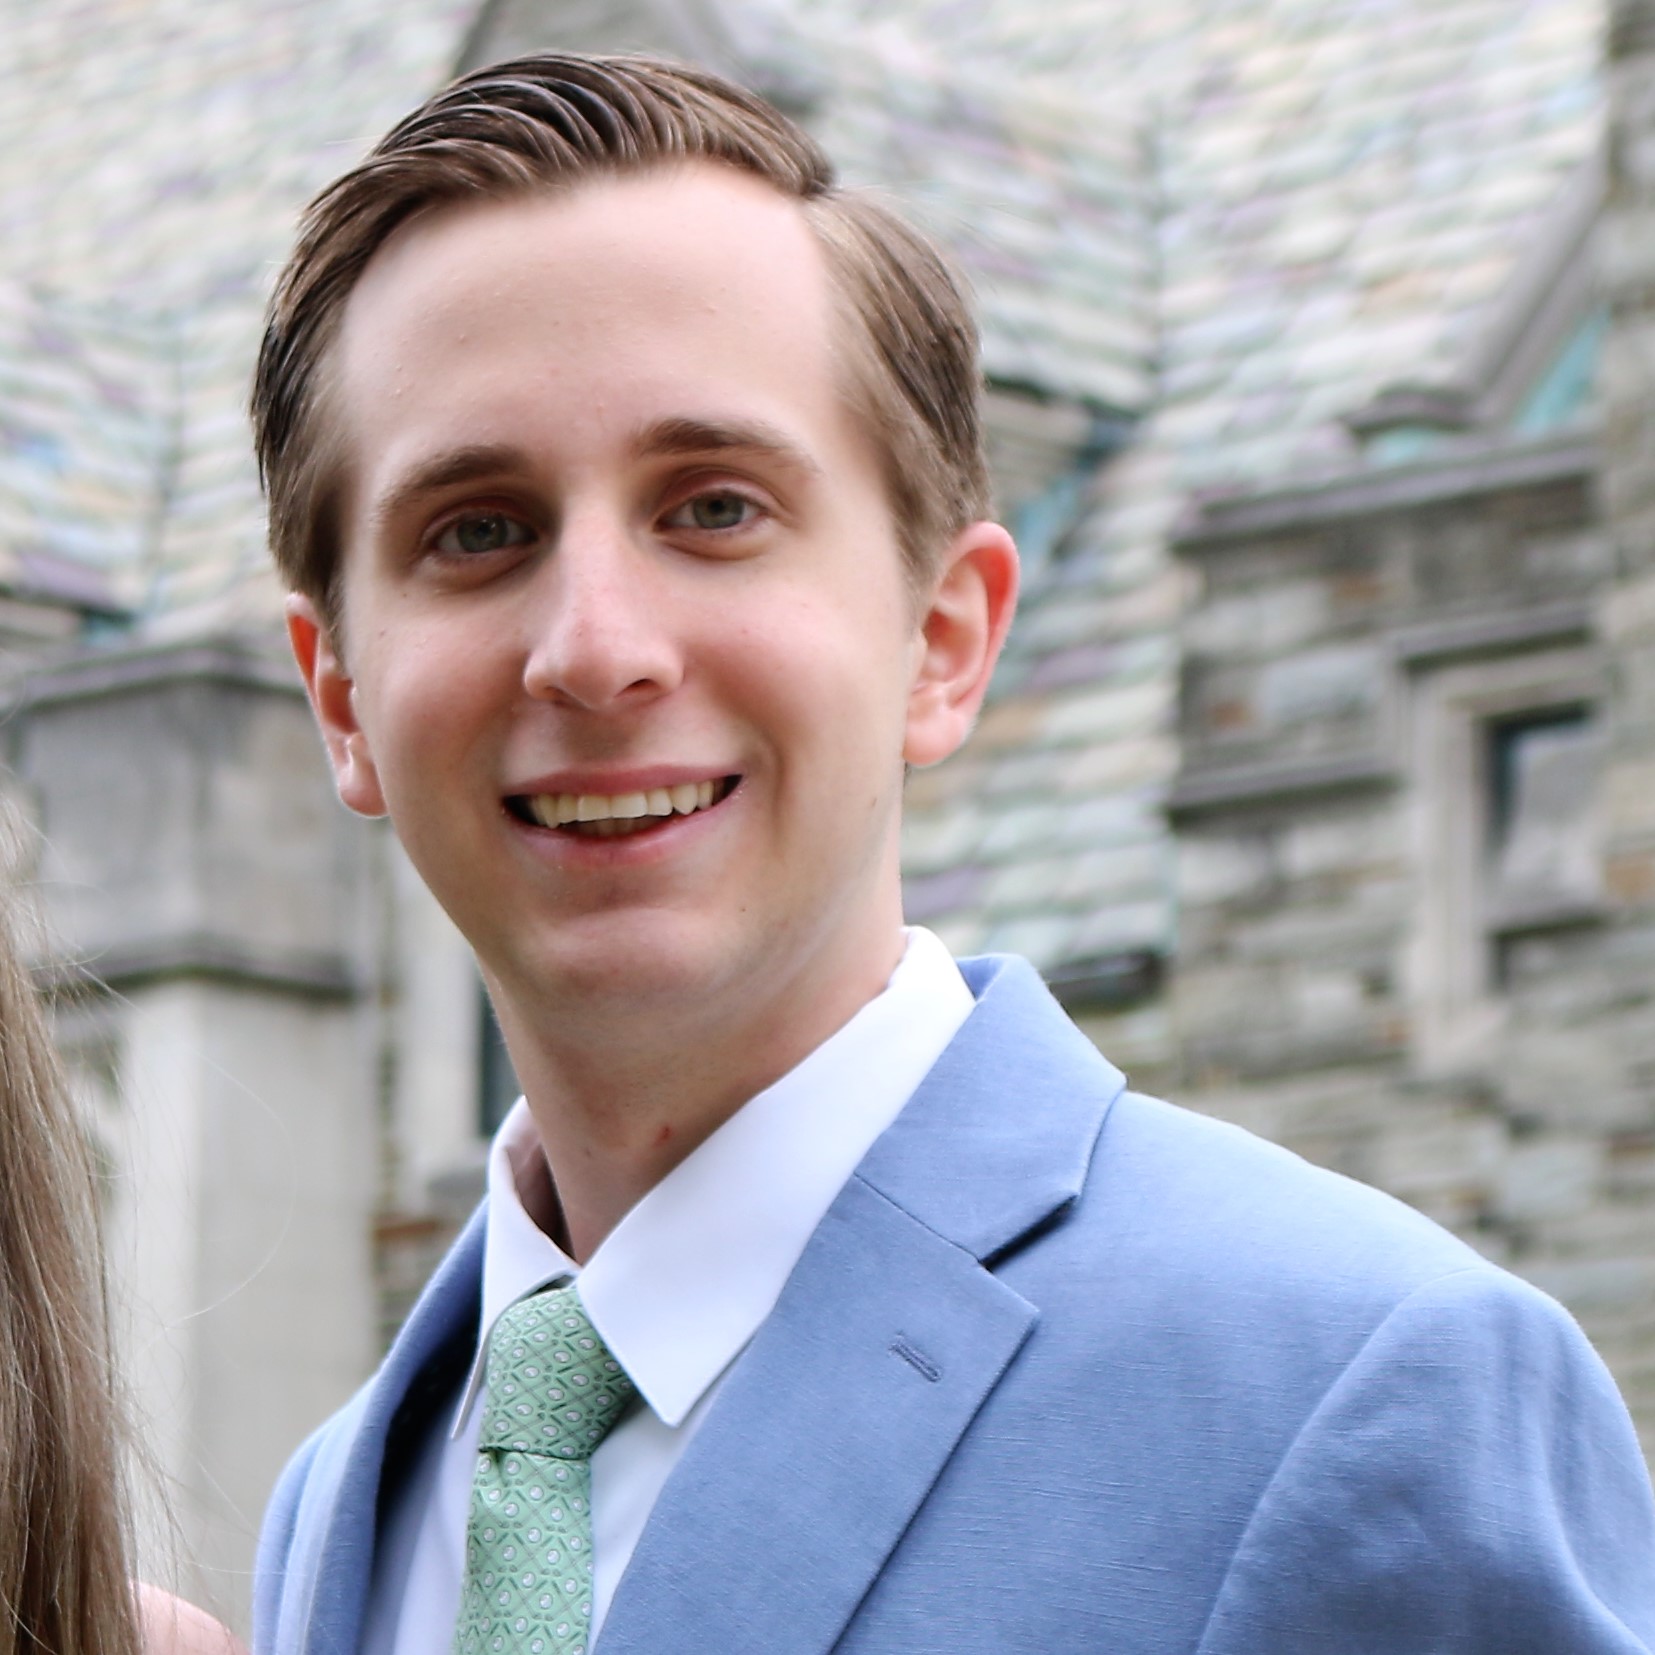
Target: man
<point>628,480</point>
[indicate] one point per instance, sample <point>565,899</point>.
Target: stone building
<point>1320,776</point>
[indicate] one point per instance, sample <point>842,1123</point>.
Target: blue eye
<point>480,533</point>
<point>721,509</point>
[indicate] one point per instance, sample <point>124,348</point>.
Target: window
<point>1507,755</point>
<point>1563,395</point>
<point>1542,865</point>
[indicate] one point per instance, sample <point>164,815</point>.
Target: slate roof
<point>153,158</point>
<point>1342,191</point>
<point>1045,202</point>
<point>1231,220</point>
<point>160,149</point>
<point>85,438</point>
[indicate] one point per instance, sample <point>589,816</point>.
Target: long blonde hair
<point>65,1565</point>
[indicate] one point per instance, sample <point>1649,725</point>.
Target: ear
<point>333,700</point>
<point>964,624</point>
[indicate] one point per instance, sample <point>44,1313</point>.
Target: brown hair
<point>542,123</point>
<point>64,1546</point>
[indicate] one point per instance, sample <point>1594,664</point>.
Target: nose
<point>601,632</point>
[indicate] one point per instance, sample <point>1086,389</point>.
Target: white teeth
<point>559,809</point>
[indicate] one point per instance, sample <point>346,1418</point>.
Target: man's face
<point>616,550</point>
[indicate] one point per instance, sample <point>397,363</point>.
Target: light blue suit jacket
<point>1067,1369</point>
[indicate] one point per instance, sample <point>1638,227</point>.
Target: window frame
<point>1460,1005</point>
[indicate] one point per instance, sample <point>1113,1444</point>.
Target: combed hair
<point>543,124</point>
<point>64,1544</point>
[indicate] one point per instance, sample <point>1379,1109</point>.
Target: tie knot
<point>553,1387</point>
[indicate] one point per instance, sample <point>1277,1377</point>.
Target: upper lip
<point>610,783</point>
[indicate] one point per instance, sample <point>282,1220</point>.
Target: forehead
<point>694,292</point>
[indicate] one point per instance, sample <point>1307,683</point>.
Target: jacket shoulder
<point>1234,1207</point>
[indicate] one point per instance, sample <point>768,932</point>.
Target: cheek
<point>840,705</point>
<point>426,709</point>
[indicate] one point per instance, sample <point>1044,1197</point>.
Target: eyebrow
<point>663,439</point>
<point>460,465</point>
<point>670,437</point>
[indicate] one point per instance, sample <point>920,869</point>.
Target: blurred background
<point>1319,780</point>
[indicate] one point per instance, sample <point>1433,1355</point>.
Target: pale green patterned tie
<point>553,1394</point>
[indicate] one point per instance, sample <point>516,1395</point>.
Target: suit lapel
<point>824,1440</point>
<point>998,1138</point>
<point>890,1334</point>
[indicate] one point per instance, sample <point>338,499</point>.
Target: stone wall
<point>1402,715</point>
<point>215,928</point>
<point>1619,1016</point>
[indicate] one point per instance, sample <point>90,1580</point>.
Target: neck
<point>633,1090</point>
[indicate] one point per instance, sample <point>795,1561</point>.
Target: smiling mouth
<point>618,815</point>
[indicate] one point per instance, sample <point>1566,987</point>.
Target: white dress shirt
<point>676,1289</point>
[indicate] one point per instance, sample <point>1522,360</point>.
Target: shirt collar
<point>684,1280</point>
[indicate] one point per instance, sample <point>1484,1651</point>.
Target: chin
<point>629,964</point>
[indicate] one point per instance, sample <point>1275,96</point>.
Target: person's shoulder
<point>1197,1248</point>
<point>170,1626</point>
<point>1217,1230</point>
<point>1190,1198</point>
<point>425,1364</point>
<point>1244,1204</point>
